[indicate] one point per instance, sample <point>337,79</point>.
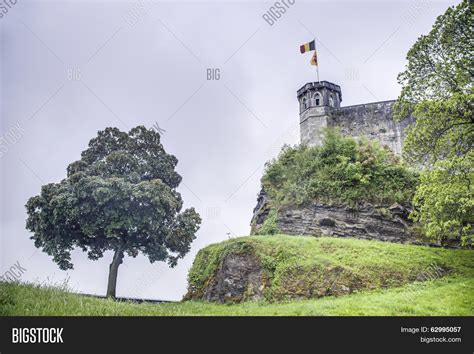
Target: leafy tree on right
<point>437,90</point>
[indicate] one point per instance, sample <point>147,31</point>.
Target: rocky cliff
<point>366,221</point>
<point>239,276</point>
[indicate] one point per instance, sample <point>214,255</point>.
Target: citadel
<point>320,107</point>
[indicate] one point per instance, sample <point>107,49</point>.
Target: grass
<point>451,296</point>
<point>392,275</point>
<point>304,267</point>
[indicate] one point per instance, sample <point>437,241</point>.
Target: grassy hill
<point>447,297</point>
<point>312,267</point>
<point>397,280</point>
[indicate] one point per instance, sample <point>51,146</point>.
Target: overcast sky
<point>71,68</point>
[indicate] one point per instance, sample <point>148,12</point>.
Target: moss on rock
<point>286,267</point>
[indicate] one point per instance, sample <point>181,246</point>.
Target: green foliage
<point>342,170</point>
<point>440,63</point>
<point>121,195</point>
<point>270,225</point>
<point>443,129</point>
<point>305,267</point>
<point>444,201</point>
<point>437,90</point>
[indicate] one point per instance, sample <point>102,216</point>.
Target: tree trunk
<point>113,270</point>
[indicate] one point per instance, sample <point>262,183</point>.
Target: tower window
<point>316,99</point>
<point>331,101</point>
<point>305,103</point>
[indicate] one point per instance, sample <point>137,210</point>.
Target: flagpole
<point>317,62</point>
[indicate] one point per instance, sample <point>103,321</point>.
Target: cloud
<point>71,69</point>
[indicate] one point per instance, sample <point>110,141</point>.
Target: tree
<point>437,91</point>
<point>444,200</point>
<point>441,62</point>
<point>120,196</point>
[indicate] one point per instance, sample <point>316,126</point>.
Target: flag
<point>307,47</point>
<point>314,59</point>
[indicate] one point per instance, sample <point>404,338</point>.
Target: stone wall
<point>372,120</point>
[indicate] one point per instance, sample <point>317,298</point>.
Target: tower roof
<point>313,86</point>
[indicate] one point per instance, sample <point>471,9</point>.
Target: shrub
<point>342,170</point>
<point>270,225</point>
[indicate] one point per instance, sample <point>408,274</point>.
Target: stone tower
<point>320,107</point>
<point>317,100</point>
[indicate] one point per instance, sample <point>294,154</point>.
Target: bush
<point>270,225</point>
<point>342,170</point>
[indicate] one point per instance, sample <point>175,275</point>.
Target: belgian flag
<point>307,47</point>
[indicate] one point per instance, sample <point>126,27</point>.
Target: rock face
<point>238,277</point>
<point>367,222</point>
<point>383,223</point>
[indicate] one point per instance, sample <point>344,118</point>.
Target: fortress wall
<point>372,120</point>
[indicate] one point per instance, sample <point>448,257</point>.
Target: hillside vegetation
<point>342,170</point>
<point>383,268</point>
<point>451,296</point>
<point>311,267</point>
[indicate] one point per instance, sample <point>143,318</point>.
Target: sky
<point>217,79</point>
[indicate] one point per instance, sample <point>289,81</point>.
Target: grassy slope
<point>446,297</point>
<point>385,263</point>
<point>314,267</point>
